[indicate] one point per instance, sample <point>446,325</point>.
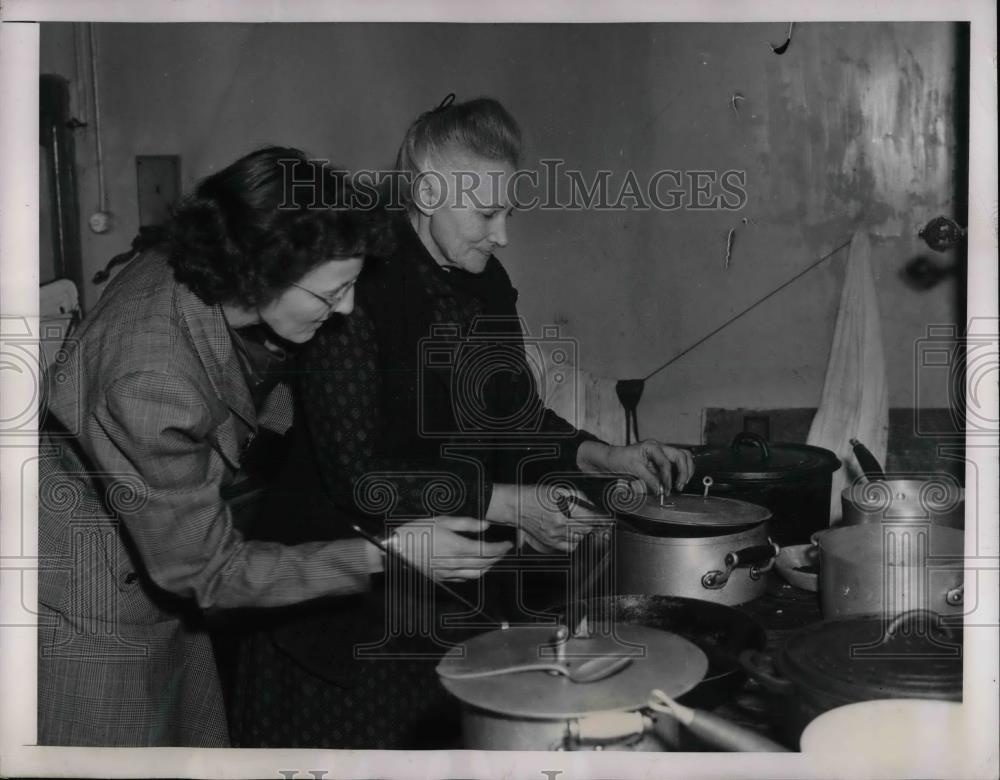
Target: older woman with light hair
<point>426,390</point>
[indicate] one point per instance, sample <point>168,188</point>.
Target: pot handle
<point>759,667</point>
<point>753,439</point>
<point>955,596</point>
<point>601,727</point>
<point>748,556</point>
<point>933,618</point>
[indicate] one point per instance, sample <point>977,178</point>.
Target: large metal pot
<point>830,664</point>
<point>538,710</point>
<point>497,721</point>
<point>939,500</point>
<point>888,568</point>
<point>713,549</point>
<point>794,481</point>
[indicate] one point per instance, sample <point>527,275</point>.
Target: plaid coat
<point>147,419</point>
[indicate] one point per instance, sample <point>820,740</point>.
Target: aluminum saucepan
<point>888,568</point>
<point>700,547</point>
<point>719,632</point>
<point>938,500</point>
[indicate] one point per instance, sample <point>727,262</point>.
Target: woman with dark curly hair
<point>148,420</point>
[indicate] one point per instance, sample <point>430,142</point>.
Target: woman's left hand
<point>652,462</point>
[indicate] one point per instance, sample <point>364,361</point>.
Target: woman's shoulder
<point>146,279</point>
<point>140,318</point>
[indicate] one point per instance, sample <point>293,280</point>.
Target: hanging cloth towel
<point>855,400</point>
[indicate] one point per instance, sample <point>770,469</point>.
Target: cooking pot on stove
<point>701,547</point>
<point>916,655</point>
<point>938,500</point>
<point>793,481</point>
<point>888,567</point>
<point>507,705</point>
<point>655,663</point>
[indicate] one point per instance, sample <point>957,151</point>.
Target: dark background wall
<point>852,128</point>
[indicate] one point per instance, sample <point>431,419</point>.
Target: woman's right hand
<point>440,549</point>
<point>545,528</point>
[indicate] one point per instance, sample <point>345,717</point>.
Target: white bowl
<point>919,734</point>
<point>799,555</point>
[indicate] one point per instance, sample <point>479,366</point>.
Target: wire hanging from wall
<point>788,39</point>
<point>630,390</point>
<point>100,220</point>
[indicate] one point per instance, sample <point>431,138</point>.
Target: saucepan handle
<point>748,556</point>
<point>760,553</point>
<point>608,727</point>
<point>955,596</point>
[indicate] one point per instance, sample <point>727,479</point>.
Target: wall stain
<point>859,131</point>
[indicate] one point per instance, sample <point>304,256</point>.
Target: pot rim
<point>824,464</point>
<point>849,494</point>
<point>841,683</point>
<point>760,529</point>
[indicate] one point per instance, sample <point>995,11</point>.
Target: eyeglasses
<point>330,303</point>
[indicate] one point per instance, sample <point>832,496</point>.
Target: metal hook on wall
<point>788,39</point>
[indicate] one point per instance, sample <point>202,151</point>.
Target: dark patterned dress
<point>413,406</point>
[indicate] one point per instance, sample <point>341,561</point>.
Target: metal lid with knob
<point>703,510</point>
<point>658,659</point>
<point>750,457</point>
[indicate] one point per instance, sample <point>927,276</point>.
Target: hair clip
<point>448,100</point>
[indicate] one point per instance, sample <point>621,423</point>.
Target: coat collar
<point>214,345</point>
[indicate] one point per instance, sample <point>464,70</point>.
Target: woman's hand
<point>654,463</point>
<point>540,523</point>
<point>439,548</point>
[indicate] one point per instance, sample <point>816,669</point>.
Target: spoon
<point>587,671</point>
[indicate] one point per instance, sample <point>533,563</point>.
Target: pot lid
<point>911,656</point>
<point>751,457</point>
<point>658,660</point>
<point>689,510</point>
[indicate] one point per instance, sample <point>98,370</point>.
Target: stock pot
<point>938,500</point>
<point>700,547</point>
<point>793,481</point>
<point>916,655</point>
<point>693,646</point>
<point>508,707</point>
